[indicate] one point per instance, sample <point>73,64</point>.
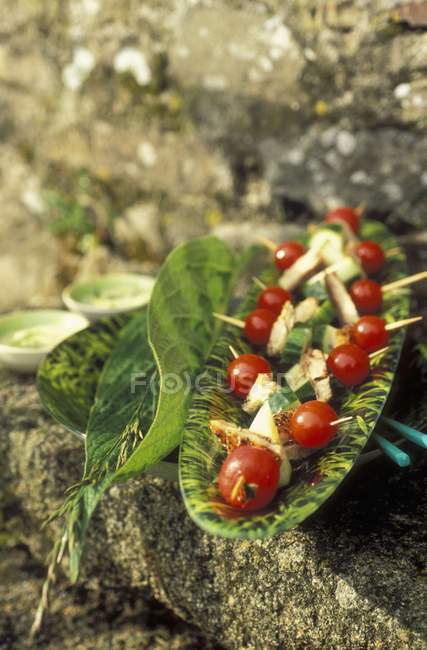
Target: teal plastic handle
<point>394,453</point>
<point>407,432</point>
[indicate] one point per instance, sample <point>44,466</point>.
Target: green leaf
<point>196,280</point>
<point>316,478</point>
<point>362,424</point>
<point>68,377</point>
<point>126,400</point>
<point>123,409</point>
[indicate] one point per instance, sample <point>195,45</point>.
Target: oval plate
<point>315,479</point>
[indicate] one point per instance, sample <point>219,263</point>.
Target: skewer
<point>230,320</point>
<point>268,243</point>
<point>342,420</point>
<point>403,282</point>
<point>233,351</point>
<point>393,251</point>
<point>361,208</point>
<point>377,353</point>
<point>258,282</point>
<point>390,327</point>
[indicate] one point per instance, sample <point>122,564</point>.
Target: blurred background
<point>127,127</point>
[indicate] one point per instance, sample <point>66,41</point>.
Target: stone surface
<point>125,129</point>
<point>351,577</point>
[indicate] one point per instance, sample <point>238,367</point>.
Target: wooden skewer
<point>361,208</point>
<point>258,282</point>
<point>393,251</point>
<point>267,243</point>
<point>230,320</point>
<point>342,420</point>
<point>403,282</point>
<point>233,351</point>
<point>378,352</point>
<point>390,327</point>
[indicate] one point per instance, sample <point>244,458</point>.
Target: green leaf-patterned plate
<point>68,377</point>
<point>315,479</point>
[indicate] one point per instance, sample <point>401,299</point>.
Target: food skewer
<point>313,423</point>
<point>403,282</point>
<point>368,294</point>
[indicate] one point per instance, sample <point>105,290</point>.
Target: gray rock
<point>350,577</point>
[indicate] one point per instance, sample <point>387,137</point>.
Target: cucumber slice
<point>329,239</point>
<point>315,289</point>
<point>283,400</point>
<point>299,383</point>
<point>298,341</point>
<point>285,472</point>
<point>264,424</point>
<point>327,337</point>
<point>347,268</point>
<point>325,314</point>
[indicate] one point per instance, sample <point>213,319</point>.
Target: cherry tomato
<point>258,326</point>
<point>346,215</point>
<point>249,477</point>
<point>273,298</point>
<point>287,253</point>
<point>370,333</point>
<point>311,426</point>
<point>243,371</point>
<point>371,256</point>
<point>349,364</point>
<point>367,296</point>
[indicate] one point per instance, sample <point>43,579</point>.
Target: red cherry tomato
<point>367,296</point>
<point>273,298</point>
<point>287,253</point>
<point>249,477</point>
<point>243,371</point>
<point>349,364</point>
<point>370,333</point>
<point>346,215</point>
<point>311,426</point>
<point>258,326</point>
<point>371,256</point>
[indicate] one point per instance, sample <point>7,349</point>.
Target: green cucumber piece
<point>330,239</point>
<point>347,268</point>
<point>316,289</point>
<point>325,314</point>
<point>299,384</point>
<point>283,400</point>
<point>325,337</point>
<point>298,341</point>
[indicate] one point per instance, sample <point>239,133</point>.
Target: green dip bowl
<point>26,337</point>
<point>107,295</point>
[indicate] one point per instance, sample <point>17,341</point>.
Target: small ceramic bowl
<point>26,337</point>
<point>107,295</point>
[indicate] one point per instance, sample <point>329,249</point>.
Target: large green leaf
<point>196,280</point>
<point>313,480</point>
<point>122,412</point>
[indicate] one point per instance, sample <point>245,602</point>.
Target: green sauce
<point>116,297</point>
<point>38,337</point>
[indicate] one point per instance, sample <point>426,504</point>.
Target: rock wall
<point>350,577</point>
<point>129,127</point>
